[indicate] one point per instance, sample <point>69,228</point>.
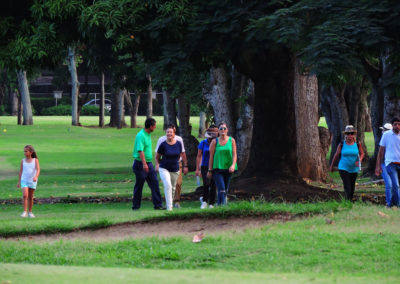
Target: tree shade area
<point>269,69</point>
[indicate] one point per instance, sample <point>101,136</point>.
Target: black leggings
<point>209,189</point>
<point>349,183</point>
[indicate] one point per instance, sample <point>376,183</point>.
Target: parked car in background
<point>96,102</point>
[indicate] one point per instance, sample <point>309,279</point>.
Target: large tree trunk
<point>74,85</point>
<point>273,147</point>
<point>333,106</point>
<point>149,112</point>
<point>217,93</point>
<point>25,97</point>
<point>202,124</point>
<point>169,109</point>
<point>102,101</point>
<point>136,107</point>
<point>310,160</point>
<point>376,75</point>
<point>362,116</point>
<point>131,107</point>
<point>121,109</point>
<point>190,141</point>
<point>19,115</point>
<point>13,100</point>
<point>244,124</point>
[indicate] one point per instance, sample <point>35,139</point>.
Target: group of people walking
<point>350,155</point>
<point>216,161</point>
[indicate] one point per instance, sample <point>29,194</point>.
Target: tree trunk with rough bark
<point>13,99</point>
<point>74,85</point>
<point>333,106</point>
<point>120,108</point>
<point>149,112</point>
<point>136,107</point>
<point>376,76</point>
<point>273,146</point>
<point>217,93</point>
<point>244,124</point>
<point>131,108</point>
<point>310,161</point>
<point>19,118</point>
<point>235,106</point>
<point>25,97</point>
<point>190,142</point>
<point>169,109</point>
<point>202,124</point>
<point>102,100</point>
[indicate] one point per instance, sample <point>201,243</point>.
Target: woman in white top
<point>28,176</point>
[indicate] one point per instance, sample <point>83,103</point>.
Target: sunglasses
<point>350,133</point>
<point>222,128</point>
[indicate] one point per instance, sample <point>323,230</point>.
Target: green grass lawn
<point>75,161</point>
<point>360,246</point>
<point>67,217</point>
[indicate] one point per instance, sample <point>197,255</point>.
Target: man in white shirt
<point>389,150</point>
<point>177,197</point>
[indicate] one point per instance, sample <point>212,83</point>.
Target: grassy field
<point>75,161</point>
<point>338,242</point>
<point>67,217</point>
<point>360,245</point>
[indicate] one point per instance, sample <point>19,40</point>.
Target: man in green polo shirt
<point>143,167</point>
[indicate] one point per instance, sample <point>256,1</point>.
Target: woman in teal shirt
<point>222,161</point>
<point>351,154</point>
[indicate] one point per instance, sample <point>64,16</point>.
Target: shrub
<point>66,110</point>
<point>57,110</point>
<point>90,110</point>
<point>3,110</point>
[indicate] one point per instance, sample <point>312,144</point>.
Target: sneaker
<point>24,214</point>
<point>201,199</point>
<point>159,208</point>
<point>177,205</point>
<point>210,206</point>
<point>169,209</point>
<point>203,205</point>
<point>30,215</point>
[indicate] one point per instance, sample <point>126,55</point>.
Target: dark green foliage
<point>62,110</point>
<point>57,110</point>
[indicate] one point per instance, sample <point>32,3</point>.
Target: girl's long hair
<point>32,150</point>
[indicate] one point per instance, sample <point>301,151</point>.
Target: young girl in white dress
<point>27,181</point>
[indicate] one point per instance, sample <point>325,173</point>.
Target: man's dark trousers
<point>152,181</point>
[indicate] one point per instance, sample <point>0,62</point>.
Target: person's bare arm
<point>198,161</point>
<point>35,178</point>
<point>19,176</point>
<point>143,159</point>
<point>158,156</point>
<point>234,156</point>
<point>185,164</point>
<point>336,157</point>
<point>379,159</point>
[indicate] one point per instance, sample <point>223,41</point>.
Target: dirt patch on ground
<point>257,188</point>
<point>168,228</point>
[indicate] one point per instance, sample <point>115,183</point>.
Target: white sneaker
<point>24,214</point>
<point>210,206</point>
<point>30,215</point>
<point>203,205</point>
